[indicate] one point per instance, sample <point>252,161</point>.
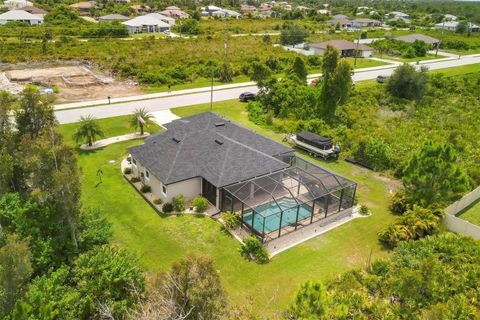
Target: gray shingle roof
<point>410,38</point>
<point>211,147</point>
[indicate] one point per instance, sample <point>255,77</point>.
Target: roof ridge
<point>175,159</point>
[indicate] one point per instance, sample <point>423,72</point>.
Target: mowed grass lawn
<point>428,56</point>
<point>472,213</point>
<point>160,240</point>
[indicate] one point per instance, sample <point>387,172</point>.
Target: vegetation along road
<point>118,109</point>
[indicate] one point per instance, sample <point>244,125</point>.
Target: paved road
<point>167,102</point>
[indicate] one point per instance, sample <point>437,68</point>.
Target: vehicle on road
<point>382,79</point>
<point>247,96</point>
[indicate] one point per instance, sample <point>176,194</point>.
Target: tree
<point>330,61</point>
<point>407,83</point>
<point>433,175</point>
<point>261,74</point>
<point>311,301</point>
<point>141,118</point>
<point>462,27</point>
<point>225,72</point>
<point>420,48</point>
<point>293,34</point>
<point>15,271</point>
<point>192,290</point>
<point>336,82</point>
<point>299,70</point>
<point>88,130</point>
<point>34,114</point>
<point>189,26</point>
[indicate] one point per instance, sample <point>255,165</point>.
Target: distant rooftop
<point>410,38</point>
<point>340,45</point>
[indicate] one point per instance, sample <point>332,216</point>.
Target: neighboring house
<point>349,23</point>
<point>324,12</point>
<point>270,188</point>
<point>140,8</point>
<point>344,47</point>
<point>452,26</point>
<point>303,8</point>
<point>265,10</point>
<point>410,38</point>
<point>175,12</point>
<point>16,4</point>
<point>113,17</point>
<point>20,16</point>
<point>146,24</point>
<point>84,7</point>
<point>450,17</point>
<point>247,9</point>
<point>406,20</point>
<point>209,10</point>
<point>397,14</point>
<point>163,18</point>
<point>35,11</point>
<point>225,13</point>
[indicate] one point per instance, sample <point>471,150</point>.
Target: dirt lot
<point>75,82</point>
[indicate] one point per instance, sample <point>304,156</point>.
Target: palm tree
<point>88,130</point>
<point>141,118</point>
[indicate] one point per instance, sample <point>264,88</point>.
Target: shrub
<point>178,203</point>
<point>158,201</point>
<point>364,210</point>
<point>399,203</point>
<point>200,204</point>
<point>127,170</point>
<point>252,249</point>
<point>135,179</point>
<point>230,219</point>
<point>167,207</point>
<point>414,224</point>
<point>56,89</point>
<point>145,188</point>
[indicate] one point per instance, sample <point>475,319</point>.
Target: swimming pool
<point>271,213</point>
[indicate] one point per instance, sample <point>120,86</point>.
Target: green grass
<point>112,127</point>
<point>401,59</point>
<point>463,52</point>
<point>160,240</point>
<point>472,213</point>
<point>197,83</point>
<point>456,71</point>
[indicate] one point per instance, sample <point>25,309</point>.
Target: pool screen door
<point>209,191</point>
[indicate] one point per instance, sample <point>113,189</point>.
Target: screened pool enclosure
<point>283,201</point>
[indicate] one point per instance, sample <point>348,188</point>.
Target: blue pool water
<point>272,215</point>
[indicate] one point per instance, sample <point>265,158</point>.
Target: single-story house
<point>271,189</point>
<point>449,17</point>
<point>396,19</point>
<point>175,12</point>
<point>140,8</point>
<point>35,11</point>
<point>344,47</point>
<point>349,23</point>
<point>84,7</point>
<point>21,16</point>
<point>411,38</point>
<point>247,9</point>
<point>324,11</point>
<point>146,24</point>
<point>159,16</point>
<point>452,26</point>
<point>366,22</point>
<point>16,4</point>
<point>397,14</point>
<point>113,17</point>
<point>225,13</point>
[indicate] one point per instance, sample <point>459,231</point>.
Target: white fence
<point>456,224</point>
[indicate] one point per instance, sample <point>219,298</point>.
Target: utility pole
<point>211,90</point>
<point>356,50</point>
<point>441,38</point>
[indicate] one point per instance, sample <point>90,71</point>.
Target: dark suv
<point>382,79</point>
<point>247,96</point>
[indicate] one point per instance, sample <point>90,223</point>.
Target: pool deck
<point>290,240</point>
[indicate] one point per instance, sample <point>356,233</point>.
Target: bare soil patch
<point>77,82</point>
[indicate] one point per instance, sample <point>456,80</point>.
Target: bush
<point>230,219</point>
<point>252,249</point>
<point>145,188</point>
<point>178,203</point>
<point>158,201</point>
<point>127,170</point>
<point>399,203</point>
<point>167,207</point>
<point>364,210</point>
<point>135,179</point>
<point>200,204</point>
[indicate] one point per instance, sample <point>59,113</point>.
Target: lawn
<point>456,71</point>
<point>160,240</point>
<point>472,213</point>
<point>111,126</point>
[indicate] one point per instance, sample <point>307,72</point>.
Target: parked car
<point>247,96</point>
<point>382,79</point>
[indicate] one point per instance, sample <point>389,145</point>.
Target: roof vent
<point>176,139</point>
<point>218,141</point>
<point>220,124</point>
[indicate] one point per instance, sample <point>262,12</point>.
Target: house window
<point>164,189</point>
